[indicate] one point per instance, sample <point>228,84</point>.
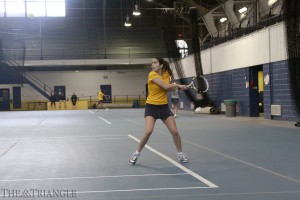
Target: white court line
<point>130,190</point>
<point>183,195</point>
<point>244,162</point>
<point>190,195</point>
<point>89,177</point>
<point>100,117</point>
<point>136,190</point>
<point>238,160</point>
<point>87,139</point>
<point>64,137</point>
<point>104,120</point>
<point>195,175</point>
<point>9,148</point>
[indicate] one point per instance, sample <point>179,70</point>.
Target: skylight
<point>33,8</point>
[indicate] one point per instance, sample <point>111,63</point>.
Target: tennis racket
<point>107,97</point>
<point>200,85</point>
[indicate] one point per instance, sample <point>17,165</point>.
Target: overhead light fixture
<point>136,11</point>
<point>271,2</point>
<point>242,10</point>
<point>223,19</point>
<point>127,23</point>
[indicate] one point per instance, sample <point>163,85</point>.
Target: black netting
<point>169,33</point>
<point>168,27</point>
<point>292,24</point>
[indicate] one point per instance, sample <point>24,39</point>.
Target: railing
<point>227,34</point>
<point>27,75</point>
<point>116,99</point>
<point>88,53</point>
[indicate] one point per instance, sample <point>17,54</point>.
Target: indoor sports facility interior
<point>239,120</point>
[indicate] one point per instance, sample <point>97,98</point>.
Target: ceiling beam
<point>202,10</point>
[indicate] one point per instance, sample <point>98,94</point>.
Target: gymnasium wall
<point>278,92</point>
<point>86,83</point>
<point>264,46</point>
<point>230,85</point>
<point>227,67</point>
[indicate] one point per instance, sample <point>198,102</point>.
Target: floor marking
<point>90,177</point>
<point>183,195</point>
<point>9,148</point>
<point>195,175</point>
<point>244,162</point>
<point>104,120</point>
<point>79,139</point>
<point>136,190</point>
<point>238,160</point>
<point>130,190</point>
<point>18,163</point>
<point>62,137</point>
<point>189,195</point>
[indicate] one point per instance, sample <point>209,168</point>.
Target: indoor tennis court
<point>84,155</point>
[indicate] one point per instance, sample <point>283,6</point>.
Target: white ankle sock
<point>136,152</point>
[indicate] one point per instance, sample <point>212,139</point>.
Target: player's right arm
<point>168,87</point>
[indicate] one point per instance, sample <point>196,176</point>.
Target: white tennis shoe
<point>182,158</point>
<point>134,158</point>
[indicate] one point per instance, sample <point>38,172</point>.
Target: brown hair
<point>166,66</point>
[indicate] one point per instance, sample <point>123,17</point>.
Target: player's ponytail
<point>166,66</point>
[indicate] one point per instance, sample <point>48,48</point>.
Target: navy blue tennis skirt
<point>158,111</point>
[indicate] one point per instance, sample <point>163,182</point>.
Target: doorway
<point>4,100</point>
<point>59,90</point>
<point>106,89</point>
<point>256,93</point>
<point>261,93</point>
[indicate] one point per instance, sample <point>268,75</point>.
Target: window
<point>56,8</point>
<point>183,48</point>
<point>15,8</point>
<point>35,8</point>
<point>2,9</point>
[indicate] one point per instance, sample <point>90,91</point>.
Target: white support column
<point>210,24</point>
<point>230,13</point>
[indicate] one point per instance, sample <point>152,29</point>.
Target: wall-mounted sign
<point>267,79</point>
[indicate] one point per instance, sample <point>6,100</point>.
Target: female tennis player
<point>100,101</point>
<point>157,106</point>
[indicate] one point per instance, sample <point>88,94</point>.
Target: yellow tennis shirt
<point>156,94</point>
<point>100,96</point>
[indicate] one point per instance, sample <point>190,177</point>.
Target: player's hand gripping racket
<point>200,85</point>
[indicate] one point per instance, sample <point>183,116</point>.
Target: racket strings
<point>201,84</point>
